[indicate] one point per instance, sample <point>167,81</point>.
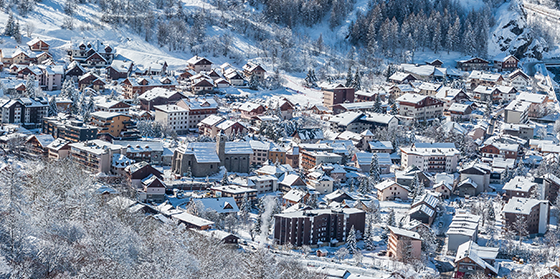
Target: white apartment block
<point>173,116</point>
<point>431,157</point>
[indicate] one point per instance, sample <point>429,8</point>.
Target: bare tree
<point>29,28</point>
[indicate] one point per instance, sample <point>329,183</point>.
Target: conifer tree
<point>10,26</point>
<point>351,241</point>
<point>30,86</point>
<point>357,82</point>
<point>374,170</point>
<point>377,105</point>
<point>53,109</point>
<point>391,218</point>
<point>349,80</point>
<point>225,179</point>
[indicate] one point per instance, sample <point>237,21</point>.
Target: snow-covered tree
<point>349,79</point>
<point>351,241</point>
<point>374,170</point>
<point>377,105</point>
<point>520,226</point>
<point>244,209</point>
<point>391,218</point>
<point>10,25</point>
<point>357,82</point>
<point>30,86</point>
<point>53,109</point>
<point>342,253</point>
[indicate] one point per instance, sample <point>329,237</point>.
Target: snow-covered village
<point>279,139</point>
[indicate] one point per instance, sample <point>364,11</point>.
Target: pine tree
<point>10,26</point>
<point>17,33</point>
<point>53,109</point>
<point>245,209</point>
<point>351,242</point>
<point>374,170</point>
<point>189,173</point>
<point>357,82</point>
<point>377,105</point>
<point>363,187</point>
<point>391,218</point>
<point>349,80</point>
<point>225,179</point>
<point>254,82</point>
<point>30,86</point>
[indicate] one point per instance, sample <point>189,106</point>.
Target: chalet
<point>444,189</point>
<point>520,80</point>
<point>500,150</point>
<point>248,110</point>
<point>420,108</point>
<point>472,258</point>
<point>159,96</point>
<point>222,83</point>
<point>238,193</point>
<point>91,80</point>
<point>479,173</point>
<point>75,70</point>
<point>108,105</point>
<point>134,87</point>
<point>288,182</point>
<point>37,144</point>
<point>202,84</point>
<point>92,52</point>
<point>391,190</point>
<point>44,58</point>
<point>208,125</point>
<point>458,112</point>
<point>158,68</point>
<point>471,64</point>
<point>199,64</point>
<point>119,69</point>
<point>427,88</point>
<point>230,128</point>
<point>234,77</point>
<point>251,69</point>
<point>285,107</point>
<point>468,187</point>
<point>17,56</point>
<point>424,208</point>
<point>450,95</point>
<point>480,78</point>
<point>504,62</point>
<point>435,63</point>
<point>58,149</point>
<point>137,172</point>
<point>401,78</point>
<point>369,96</point>
<point>38,45</point>
<point>551,185</point>
<point>398,90</point>
<point>222,237</point>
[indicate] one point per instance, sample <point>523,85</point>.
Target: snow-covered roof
<point>295,195</point>
<point>121,161</point>
<point>378,117</point>
<point>399,76</point>
<point>43,139</point>
<point>220,205</point>
<point>468,181</point>
<point>191,219</point>
<point>478,254</point>
<point>95,146</point>
<point>403,232</point>
<point>275,169</point>
<point>212,120</point>
<point>249,106</point>
<point>289,179</point>
<point>200,103</point>
<point>241,147</point>
<point>462,108</point>
<point>420,70</point>
<point>432,149</point>
<point>429,86</point>
<point>140,146</point>
<point>57,144</point>
<point>344,119</point>
<point>364,158</point>
<point>517,205</point>
<point>426,198</point>
<point>123,66</point>
<point>532,97</point>
<point>411,98</point>
<point>106,115</point>
<point>519,184</point>
<point>448,93</point>
<point>423,209</point>
<point>170,108</point>
<point>157,92</point>
<point>388,183</point>
<point>492,77</point>
<point>204,152</point>
<point>314,212</point>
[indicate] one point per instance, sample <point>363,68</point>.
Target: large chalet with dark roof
<point>93,53</point>
<point>474,63</point>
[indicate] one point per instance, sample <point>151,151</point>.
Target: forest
<point>54,224</point>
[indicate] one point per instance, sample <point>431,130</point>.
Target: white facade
<point>173,116</point>
<point>435,157</point>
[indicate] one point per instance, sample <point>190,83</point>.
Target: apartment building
<point>431,157</point>
<point>310,227</point>
<point>114,125</point>
<point>533,213</point>
<point>419,107</point>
